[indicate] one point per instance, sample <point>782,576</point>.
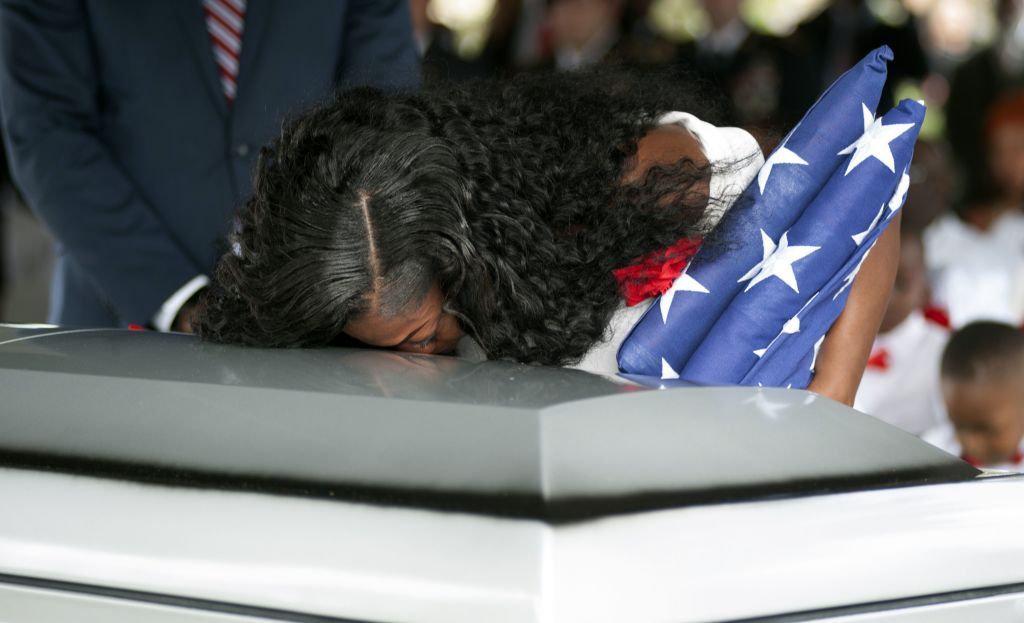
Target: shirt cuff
<point>169,310</point>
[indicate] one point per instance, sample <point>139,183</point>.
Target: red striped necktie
<point>225,21</point>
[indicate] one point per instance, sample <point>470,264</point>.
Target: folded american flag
<point>755,311</point>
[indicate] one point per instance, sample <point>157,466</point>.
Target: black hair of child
<point>983,348</point>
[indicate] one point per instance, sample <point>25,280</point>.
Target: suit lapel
<point>192,21</point>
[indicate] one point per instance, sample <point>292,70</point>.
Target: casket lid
<point>430,431</point>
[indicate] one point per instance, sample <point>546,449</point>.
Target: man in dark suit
<point>133,127</point>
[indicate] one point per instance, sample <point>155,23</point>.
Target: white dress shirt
<point>164,318</point>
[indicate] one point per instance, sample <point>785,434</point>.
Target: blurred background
<point>769,59</point>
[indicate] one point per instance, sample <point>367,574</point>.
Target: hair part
<point>507,195</point>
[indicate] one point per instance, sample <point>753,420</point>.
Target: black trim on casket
<point>498,503</point>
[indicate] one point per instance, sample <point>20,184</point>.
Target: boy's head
<point>983,386</point>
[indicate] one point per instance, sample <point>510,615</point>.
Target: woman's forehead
<point>376,329</point>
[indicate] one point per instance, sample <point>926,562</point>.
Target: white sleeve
<point>169,310</point>
<point>733,151</point>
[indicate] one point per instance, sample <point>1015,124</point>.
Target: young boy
<point>983,388</point>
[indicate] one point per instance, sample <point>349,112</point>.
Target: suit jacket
<point>120,136</point>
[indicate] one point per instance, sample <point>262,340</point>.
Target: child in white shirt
<point>983,389</point>
<point>977,262</point>
<point>901,383</point>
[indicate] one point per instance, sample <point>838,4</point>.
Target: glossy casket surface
<point>357,485</point>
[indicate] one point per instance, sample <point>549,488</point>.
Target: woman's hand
<point>847,346</point>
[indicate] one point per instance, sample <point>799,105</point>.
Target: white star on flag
<point>875,142</point>
<point>859,238</point>
<point>667,372</point>
<point>792,326</point>
<point>777,261</point>
<point>782,155</point>
<point>754,318</point>
<point>900,195</point>
<point>683,283</point>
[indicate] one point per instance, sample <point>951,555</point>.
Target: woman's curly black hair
<point>508,195</point>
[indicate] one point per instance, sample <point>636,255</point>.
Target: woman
<point>501,211</point>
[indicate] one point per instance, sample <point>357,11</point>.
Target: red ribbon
<point>879,360</point>
<point>936,315</point>
<point>654,274</point>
